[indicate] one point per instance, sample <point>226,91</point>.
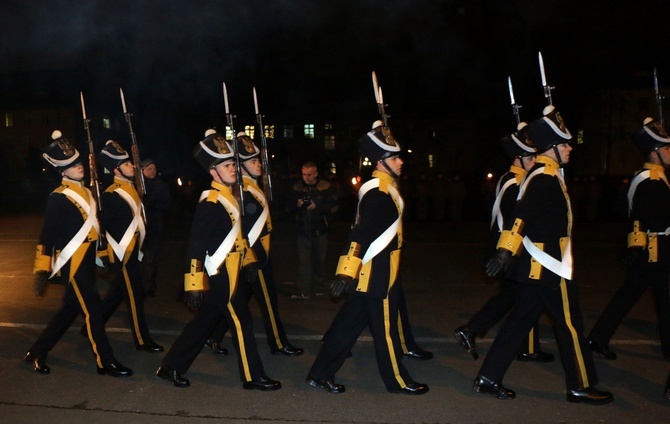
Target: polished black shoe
<point>412,389</point>
<point>497,390</point>
<point>115,370</point>
<point>535,357</point>
<point>419,353</point>
<point>327,385</point>
<point>167,373</point>
<point>466,338</point>
<point>38,364</point>
<point>289,350</point>
<point>263,383</point>
<point>215,347</point>
<point>150,347</point>
<point>590,395</point>
<point>602,350</point>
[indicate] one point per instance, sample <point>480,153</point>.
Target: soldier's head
<point>116,160</point>
<point>65,159</point>
<point>653,142</point>
<point>249,155</point>
<point>383,151</point>
<point>519,147</point>
<point>216,156</point>
<point>550,136</point>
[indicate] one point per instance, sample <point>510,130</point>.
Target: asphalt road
<point>442,272</point>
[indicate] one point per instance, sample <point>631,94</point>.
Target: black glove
<point>41,280</point>
<point>251,272</point>
<point>498,262</point>
<point>193,299</point>
<point>340,285</point>
<point>631,254</point>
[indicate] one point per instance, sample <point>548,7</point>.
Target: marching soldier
<point>648,255</point>
<point>369,274</point>
<point>218,254</point>
<point>257,228</point>
<point>520,151</point>
<point>67,252</point>
<point>541,236</point>
<point>123,220</point>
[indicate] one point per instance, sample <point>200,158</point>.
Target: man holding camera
<point>313,201</point>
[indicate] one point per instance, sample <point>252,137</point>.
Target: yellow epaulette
<point>383,186</point>
<point>212,196</point>
<point>512,240</point>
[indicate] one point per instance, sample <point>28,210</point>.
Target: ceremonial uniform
<point>67,253</point>
<point>217,252</point>
<point>541,236</point>
<point>257,228</point>
<point>648,243</point>
<point>370,271</point>
<point>520,150</point>
<point>123,221</point>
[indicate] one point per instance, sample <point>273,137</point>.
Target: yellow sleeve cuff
<point>196,279</point>
<point>42,260</point>
<point>512,240</point>
<point>637,238</point>
<point>350,264</point>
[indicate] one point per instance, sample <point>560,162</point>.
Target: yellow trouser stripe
<point>389,344</point>
<point>573,332</point>
<point>87,317</point>
<point>268,305</point>
<point>240,342</point>
<point>401,333</point>
<point>131,293</point>
<point>531,341</point>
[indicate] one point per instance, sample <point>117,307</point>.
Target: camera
<point>306,200</point>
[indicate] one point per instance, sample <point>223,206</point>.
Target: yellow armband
<point>42,260</point>
<point>196,279</point>
<point>512,239</point>
<point>350,264</point>
<point>637,238</point>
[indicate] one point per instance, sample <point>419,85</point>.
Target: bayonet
<point>515,106</point>
<point>95,185</point>
<point>236,149</point>
<point>137,164</point>
<point>547,87</point>
<point>265,161</point>
<point>659,99</point>
<point>379,98</point>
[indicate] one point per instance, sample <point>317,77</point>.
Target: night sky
<point>313,59</point>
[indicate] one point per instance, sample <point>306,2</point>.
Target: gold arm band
<point>42,260</point>
<point>637,238</point>
<point>349,266</point>
<point>196,279</point>
<point>512,239</point>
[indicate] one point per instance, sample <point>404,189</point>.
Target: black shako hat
<point>650,137</point>
<point>113,155</point>
<point>518,144</point>
<point>248,150</point>
<point>378,144</point>
<point>549,130</point>
<point>213,150</point>
<point>61,154</point>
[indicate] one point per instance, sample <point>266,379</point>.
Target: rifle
<point>379,98</point>
<point>138,176</point>
<point>515,106</point>
<point>547,87</point>
<point>659,99</point>
<point>265,162</point>
<point>95,185</point>
<point>229,121</point>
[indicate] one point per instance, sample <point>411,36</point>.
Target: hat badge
<point>221,145</point>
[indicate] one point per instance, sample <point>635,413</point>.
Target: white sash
<point>641,176</point>
<point>137,222</point>
<point>256,229</point>
<point>213,262</point>
<point>76,241</point>
<point>385,238</point>
<point>495,212</point>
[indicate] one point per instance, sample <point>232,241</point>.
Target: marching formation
<point>229,258</point>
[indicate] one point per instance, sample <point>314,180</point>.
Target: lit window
<point>431,161</point>
<point>106,122</point>
<point>309,130</point>
<point>229,133</point>
<point>329,142</point>
<point>269,131</point>
<point>250,130</point>
<point>9,120</point>
<point>328,127</point>
<point>288,131</point>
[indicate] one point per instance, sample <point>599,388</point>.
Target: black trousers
<point>495,310</point>
<point>562,303</point>
<point>640,277</point>
<point>80,296</point>
<point>265,293</point>
<point>188,345</point>
<point>357,312</point>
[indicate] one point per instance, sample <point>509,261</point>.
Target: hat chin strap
<point>660,158</point>
<point>558,155</point>
<point>388,168</point>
